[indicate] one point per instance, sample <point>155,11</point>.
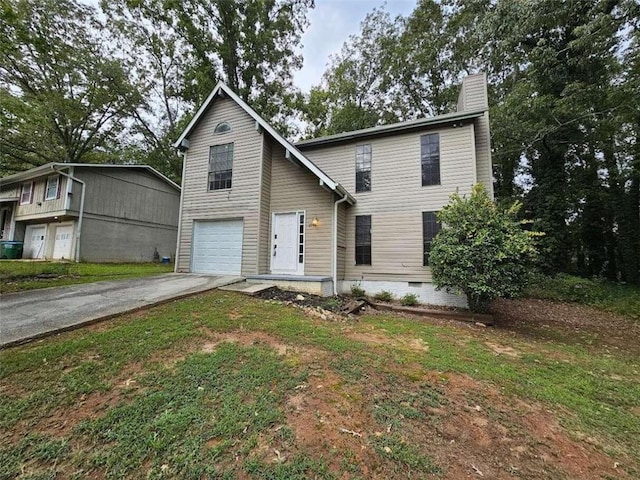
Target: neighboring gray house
<point>320,216</point>
<point>128,212</point>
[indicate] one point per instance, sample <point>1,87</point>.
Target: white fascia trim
<point>280,139</point>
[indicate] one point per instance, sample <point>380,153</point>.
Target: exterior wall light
<point>315,222</point>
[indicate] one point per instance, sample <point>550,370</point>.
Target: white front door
<point>62,243</point>
<point>34,237</point>
<point>285,244</point>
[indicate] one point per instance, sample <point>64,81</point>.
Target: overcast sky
<point>331,23</point>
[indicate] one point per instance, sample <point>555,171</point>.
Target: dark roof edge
<point>52,166</point>
<point>390,129</point>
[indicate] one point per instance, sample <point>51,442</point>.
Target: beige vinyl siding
<point>39,207</point>
<point>473,96</point>
<point>396,248</point>
<point>473,93</point>
<point>342,241</point>
<point>242,200</point>
<point>265,204</point>
<point>397,198</point>
<point>483,153</point>
<point>293,189</point>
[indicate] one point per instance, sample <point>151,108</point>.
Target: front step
<point>247,288</point>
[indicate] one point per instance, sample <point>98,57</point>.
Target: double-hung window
<point>363,240</point>
<point>220,166</point>
<point>26,194</point>
<point>363,168</point>
<point>430,228</point>
<point>430,159</point>
<point>53,188</point>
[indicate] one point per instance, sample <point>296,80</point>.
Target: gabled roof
<point>53,166</point>
<point>324,179</point>
<point>390,129</point>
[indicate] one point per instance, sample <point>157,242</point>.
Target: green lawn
<point>16,276</point>
<point>225,386</point>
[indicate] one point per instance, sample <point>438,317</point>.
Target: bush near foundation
<point>482,249</point>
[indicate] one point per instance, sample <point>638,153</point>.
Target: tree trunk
<point>478,303</point>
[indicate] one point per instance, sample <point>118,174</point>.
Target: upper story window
<point>53,188</point>
<point>430,159</point>
<point>430,228</point>
<point>223,127</point>
<point>363,239</point>
<point>26,194</point>
<point>363,168</point>
<point>220,166</point>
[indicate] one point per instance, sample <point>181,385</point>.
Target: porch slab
<point>247,288</point>
<point>315,285</point>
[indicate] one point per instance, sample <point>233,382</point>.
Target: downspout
<point>334,266</point>
<point>81,213</point>
<point>184,170</point>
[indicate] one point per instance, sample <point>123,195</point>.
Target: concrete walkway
<point>28,315</point>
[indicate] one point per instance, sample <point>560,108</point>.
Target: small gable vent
<point>223,127</point>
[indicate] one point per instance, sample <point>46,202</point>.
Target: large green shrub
<point>481,250</point>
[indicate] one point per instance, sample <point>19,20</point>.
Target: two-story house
<point>90,212</point>
<point>324,214</point>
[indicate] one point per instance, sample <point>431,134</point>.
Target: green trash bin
<point>11,250</point>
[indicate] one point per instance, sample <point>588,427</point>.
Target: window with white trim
<point>363,168</point>
<point>220,166</point>
<point>53,188</point>
<point>26,194</point>
<point>222,127</point>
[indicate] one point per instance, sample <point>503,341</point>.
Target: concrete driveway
<point>28,315</point>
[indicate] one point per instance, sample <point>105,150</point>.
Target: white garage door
<point>34,237</point>
<point>217,247</point>
<point>62,243</point>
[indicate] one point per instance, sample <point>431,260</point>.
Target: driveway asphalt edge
<point>76,326</point>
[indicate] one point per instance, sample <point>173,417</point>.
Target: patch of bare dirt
<point>546,319</point>
<point>503,350</point>
<point>503,438</point>
<point>327,416</point>
<point>247,339</point>
<point>416,344</point>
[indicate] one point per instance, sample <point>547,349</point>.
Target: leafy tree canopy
<point>62,94</point>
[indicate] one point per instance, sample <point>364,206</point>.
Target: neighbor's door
<point>284,250</point>
<point>34,241</point>
<point>62,244</point>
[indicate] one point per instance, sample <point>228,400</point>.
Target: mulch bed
<point>345,304</point>
<point>333,304</point>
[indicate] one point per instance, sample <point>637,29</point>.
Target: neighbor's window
<point>26,194</point>
<point>363,240</point>
<point>430,159</point>
<point>363,168</point>
<point>223,127</point>
<point>53,188</point>
<point>220,166</point>
<point>430,228</point>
